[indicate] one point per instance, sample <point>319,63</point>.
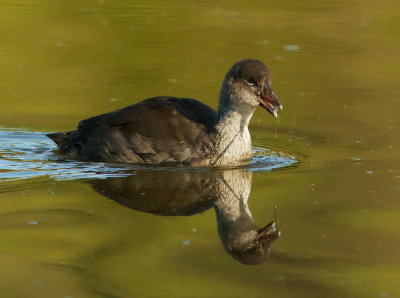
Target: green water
<point>335,67</point>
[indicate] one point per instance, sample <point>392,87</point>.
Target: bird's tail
<point>63,140</point>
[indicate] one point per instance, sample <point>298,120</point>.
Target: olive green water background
<point>335,66</point>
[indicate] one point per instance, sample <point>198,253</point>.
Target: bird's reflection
<point>181,192</point>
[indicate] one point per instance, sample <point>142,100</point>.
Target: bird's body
<point>182,131</point>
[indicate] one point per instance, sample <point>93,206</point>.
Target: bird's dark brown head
<point>255,248</point>
<point>248,82</point>
<point>253,71</point>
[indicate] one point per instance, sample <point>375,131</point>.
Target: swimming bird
<point>178,131</point>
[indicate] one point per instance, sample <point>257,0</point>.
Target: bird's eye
<point>251,82</point>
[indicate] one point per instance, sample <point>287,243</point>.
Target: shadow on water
<point>185,193</point>
<point>160,191</point>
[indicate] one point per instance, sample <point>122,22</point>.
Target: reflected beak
<point>268,234</point>
<point>269,100</point>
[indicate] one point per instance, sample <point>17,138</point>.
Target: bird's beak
<point>268,234</point>
<point>269,100</point>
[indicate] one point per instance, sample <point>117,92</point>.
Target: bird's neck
<point>234,120</point>
<point>231,114</point>
<point>232,137</point>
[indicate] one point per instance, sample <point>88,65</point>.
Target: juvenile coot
<point>181,131</point>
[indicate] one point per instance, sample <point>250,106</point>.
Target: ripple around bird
<point>27,154</point>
